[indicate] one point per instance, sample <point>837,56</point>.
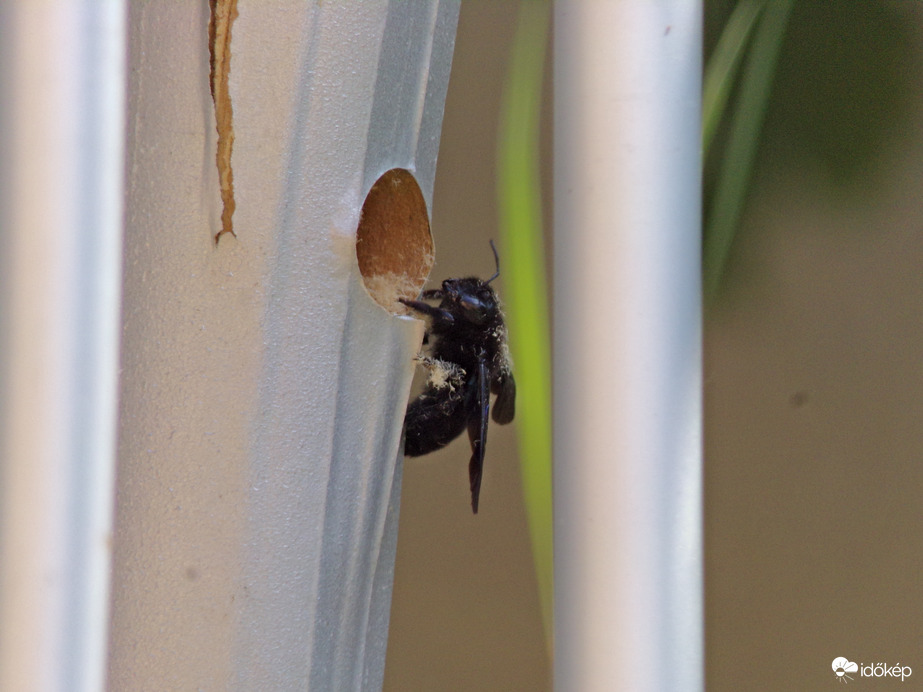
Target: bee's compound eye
<point>475,309</point>
<point>471,303</point>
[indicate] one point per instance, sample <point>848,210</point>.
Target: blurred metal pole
<point>628,530</point>
<point>62,76</point>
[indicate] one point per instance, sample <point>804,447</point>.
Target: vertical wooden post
<point>263,389</point>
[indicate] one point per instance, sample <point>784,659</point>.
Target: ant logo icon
<point>841,667</point>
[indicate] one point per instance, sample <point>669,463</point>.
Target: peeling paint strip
<point>223,14</point>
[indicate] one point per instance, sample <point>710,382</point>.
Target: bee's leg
<point>433,294</point>
<point>438,315</point>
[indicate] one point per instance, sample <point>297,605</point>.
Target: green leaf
<point>722,66</point>
<point>525,283</point>
<point>746,123</point>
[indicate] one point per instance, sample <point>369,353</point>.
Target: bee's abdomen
<point>433,420</point>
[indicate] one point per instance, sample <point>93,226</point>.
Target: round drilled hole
<point>393,243</point>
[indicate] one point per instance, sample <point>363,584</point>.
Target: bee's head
<point>471,299</point>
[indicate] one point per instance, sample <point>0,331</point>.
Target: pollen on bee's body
<point>443,374</point>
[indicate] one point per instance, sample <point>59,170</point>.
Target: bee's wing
<point>477,428</point>
<point>505,405</point>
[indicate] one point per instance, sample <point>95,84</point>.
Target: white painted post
<point>62,76</point>
<point>263,390</point>
<point>628,525</point>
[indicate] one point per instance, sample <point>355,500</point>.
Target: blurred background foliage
<point>824,89</point>
<point>814,353</point>
<point>843,90</point>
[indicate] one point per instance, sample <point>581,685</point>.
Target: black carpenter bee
<point>468,360</point>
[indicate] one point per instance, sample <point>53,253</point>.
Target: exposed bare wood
<point>223,14</point>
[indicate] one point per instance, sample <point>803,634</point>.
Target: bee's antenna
<point>496,261</point>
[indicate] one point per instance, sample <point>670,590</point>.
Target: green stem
<point>525,283</point>
<point>737,166</point>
